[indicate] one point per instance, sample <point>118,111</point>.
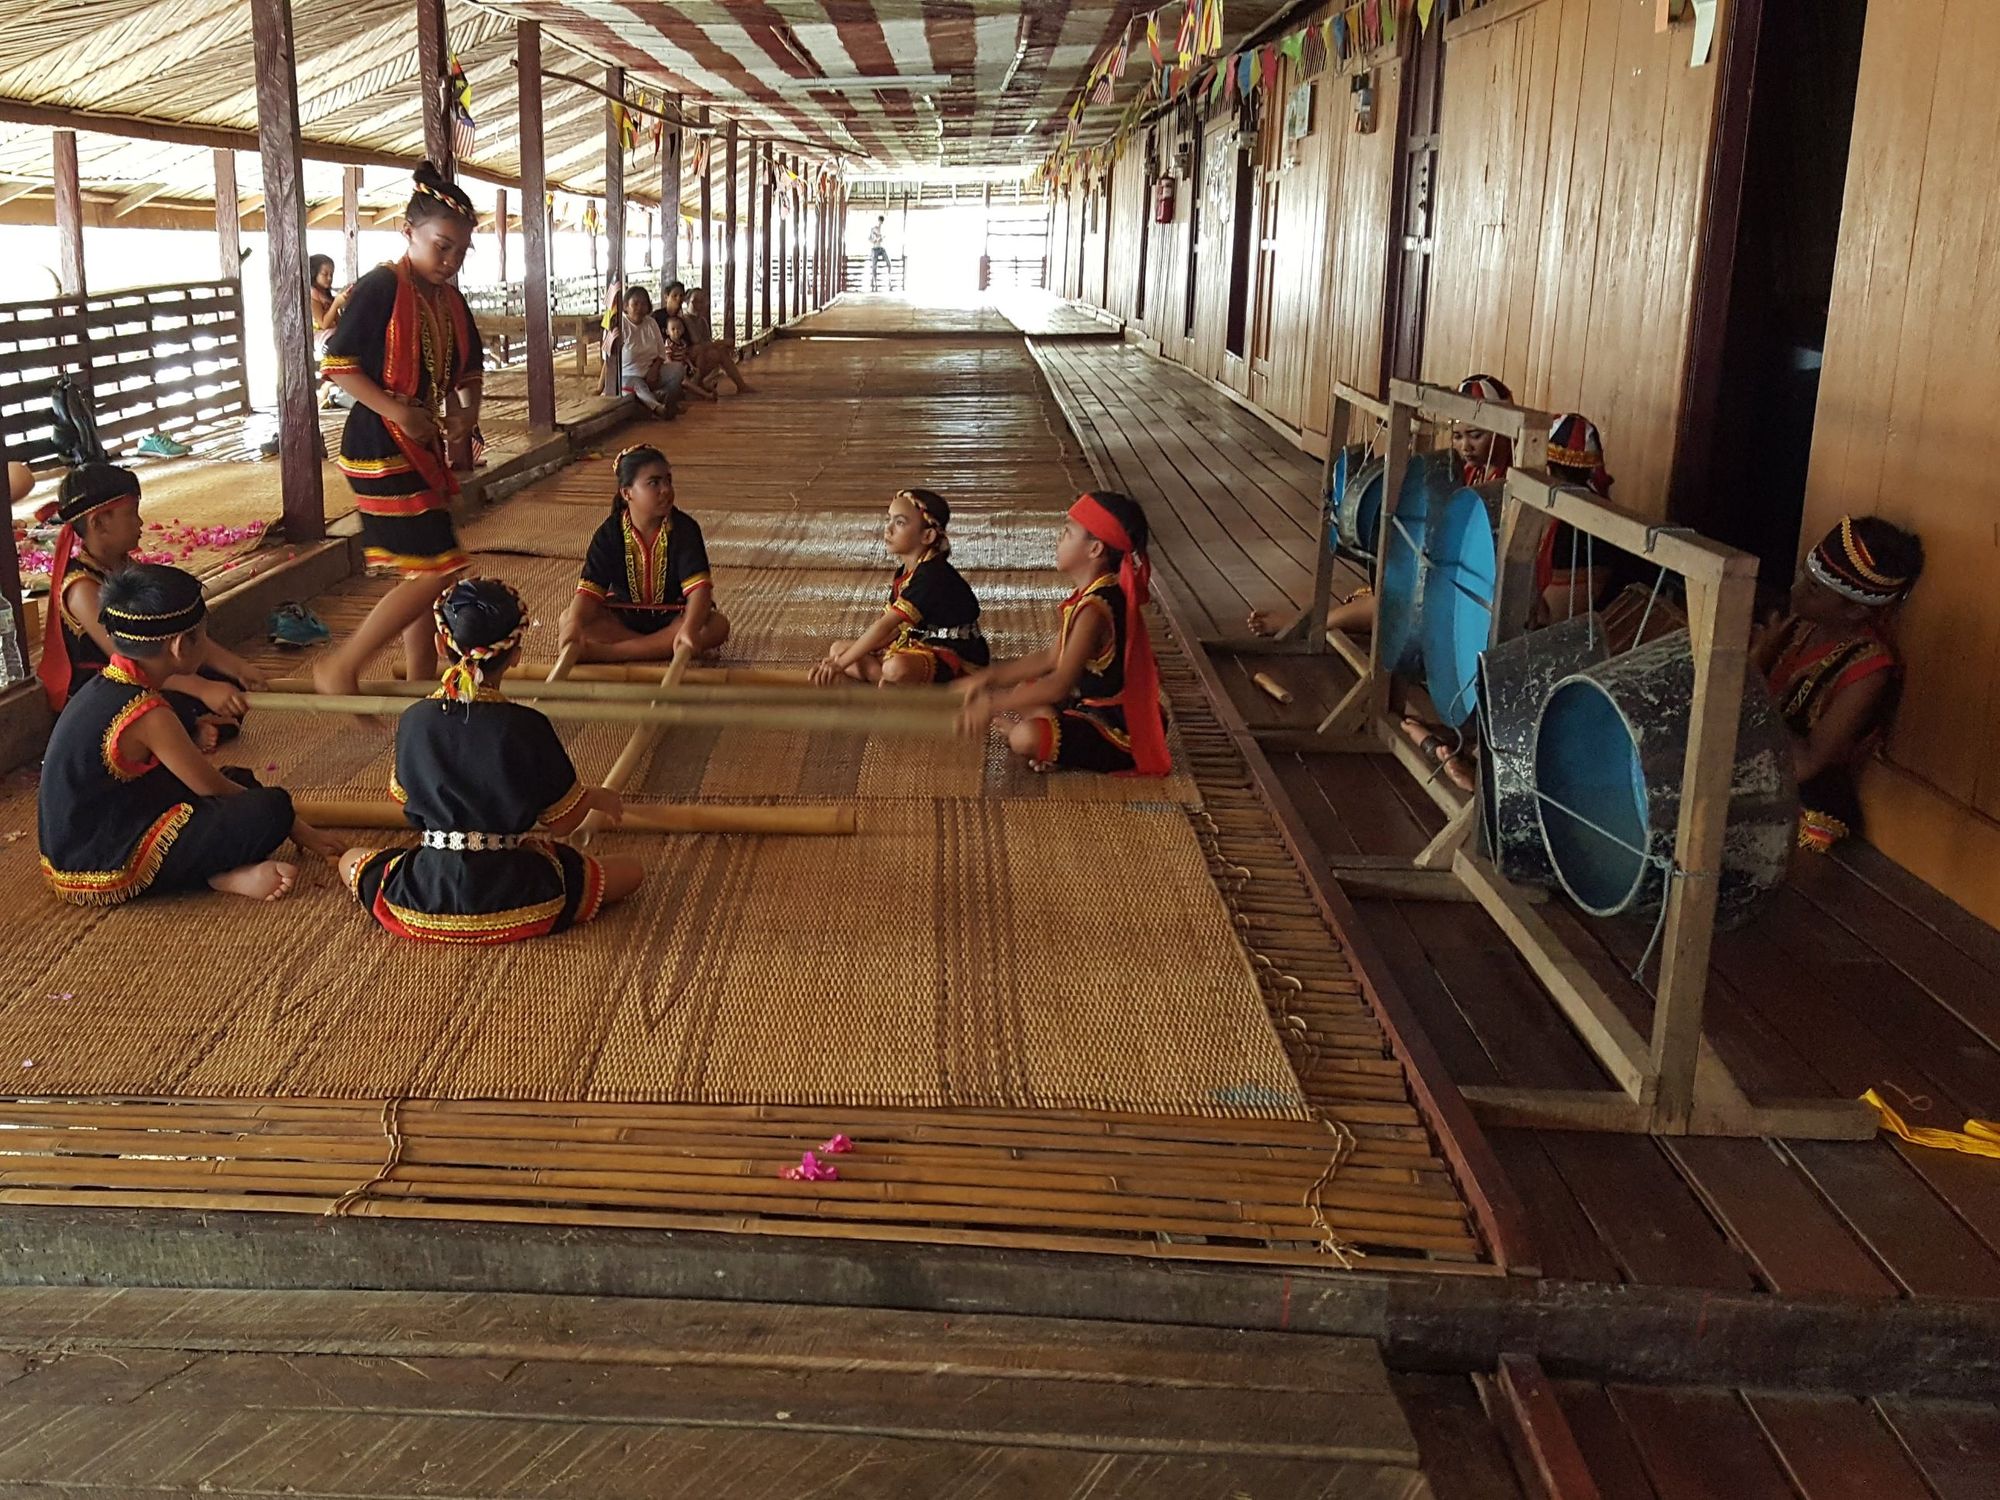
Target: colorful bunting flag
<point>1424,9</point>
<point>1390,25</point>
<point>1210,34</point>
<point>628,128</point>
<point>1184,44</point>
<point>1371,21</point>
<point>458,105</point>
<point>1271,69</point>
<point>1340,37</point>
<point>1246,70</point>
<point>1312,54</point>
<point>1153,40</point>
<point>1294,46</point>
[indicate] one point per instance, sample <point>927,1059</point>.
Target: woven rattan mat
<point>951,953</point>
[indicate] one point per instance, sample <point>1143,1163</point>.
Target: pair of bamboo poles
<point>684,695</point>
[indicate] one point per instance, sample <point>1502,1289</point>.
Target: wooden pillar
<point>614,180</point>
<point>750,226</point>
<point>228,227</point>
<point>69,214</point>
<point>708,216</point>
<point>840,237</point>
<point>985,239</point>
<point>500,233</point>
<point>764,274</point>
<point>670,196</point>
<point>350,220</point>
<point>10,574</point>
<point>535,230</point>
<point>728,333</point>
<point>799,240</point>
<point>784,242</point>
<point>285,234</point>
<point>431,56</point>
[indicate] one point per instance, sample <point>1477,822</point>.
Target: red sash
<point>1141,698</point>
<point>402,358</point>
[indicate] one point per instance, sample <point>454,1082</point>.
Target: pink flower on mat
<point>812,1169</point>
<point>837,1145</point>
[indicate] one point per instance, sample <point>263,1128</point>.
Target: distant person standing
<point>878,253</point>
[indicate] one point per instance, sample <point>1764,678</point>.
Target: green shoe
<point>295,625</point>
<point>159,445</point>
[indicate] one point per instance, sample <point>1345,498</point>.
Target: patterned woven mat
<point>959,953</point>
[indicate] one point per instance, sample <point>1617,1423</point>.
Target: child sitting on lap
<point>645,577</point>
<point>128,805</point>
<point>479,776</point>
<point>1092,699</point>
<point>677,369</point>
<point>930,630</point>
<point>99,511</point>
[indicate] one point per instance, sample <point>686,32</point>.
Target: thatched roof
<point>1000,81</point>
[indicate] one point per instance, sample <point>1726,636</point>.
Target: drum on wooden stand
<point>1610,752</point>
<point>1357,512</point>
<point>1339,474</point>
<point>1406,562</point>
<point>1457,620</point>
<point>1514,677</point>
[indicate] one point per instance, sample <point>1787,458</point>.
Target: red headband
<point>1090,514</point>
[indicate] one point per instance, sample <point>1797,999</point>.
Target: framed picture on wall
<point>1299,113</point>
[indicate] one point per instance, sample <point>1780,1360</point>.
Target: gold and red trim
<point>110,887</point>
<point>417,567</point>
<point>594,589</point>
<point>1819,832</point>
<point>697,581</point>
<point>114,732</point>
<point>396,788</point>
<point>564,805</point>
<point>339,364</point>
<point>645,562</point>
<point>907,645</point>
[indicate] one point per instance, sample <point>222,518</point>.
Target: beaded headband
<point>458,203</point>
<point>1843,563</point>
<point>463,677</point>
<point>154,625</point>
<point>927,508</point>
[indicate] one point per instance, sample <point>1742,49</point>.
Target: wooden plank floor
<point>999,314</point>
<point>381,1394</point>
<point>1857,976</point>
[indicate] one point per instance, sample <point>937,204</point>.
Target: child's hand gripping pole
<point>640,742</point>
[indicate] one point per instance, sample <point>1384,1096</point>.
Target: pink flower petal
<point>837,1145</point>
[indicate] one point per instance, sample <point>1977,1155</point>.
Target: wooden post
<point>228,227</point>
<point>10,574</point>
<point>285,231</point>
<point>430,84</point>
<point>986,238</point>
<point>784,244</point>
<point>799,240</point>
<point>750,226</point>
<point>727,331</point>
<point>670,201</point>
<point>764,273</point>
<point>350,220</point>
<point>840,236</point>
<point>535,231</point>
<point>500,236</point>
<point>708,215</point>
<point>614,181</point>
<point>69,214</point>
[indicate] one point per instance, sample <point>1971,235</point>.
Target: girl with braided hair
<point>1831,666</point>
<point>406,349</point>
<point>929,631</point>
<point>492,789</point>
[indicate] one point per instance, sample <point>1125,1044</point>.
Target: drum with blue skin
<point>1406,563</point>
<point>1610,751</point>
<point>1345,460</point>
<point>1358,509</point>
<point>1457,619</point>
<point>1514,677</point>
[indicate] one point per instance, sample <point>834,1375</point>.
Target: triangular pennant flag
<point>1371,21</point>
<point>1184,44</point>
<point>1424,9</point>
<point>1246,70</point>
<point>1211,27</point>
<point>1390,25</point>
<point>1153,40</point>
<point>1294,46</point>
<point>1312,51</point>
<point>1340,38</point>
<point>458,96</point>
<point>1271,69</point>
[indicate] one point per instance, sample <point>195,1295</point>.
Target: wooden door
<point>1414,208</point>
<point>1270,192</point>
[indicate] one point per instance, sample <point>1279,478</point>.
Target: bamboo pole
<point>569,690</point>
<point>865,717</point>
<point>636,747</point>
<point>820,820</point>
<point>596,671</point>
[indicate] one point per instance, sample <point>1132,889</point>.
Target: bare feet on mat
<point>332,680</point>
<point>265,882</point>
<point>1450,756</point>
<point>1263,622</point>
<point>207,735</point>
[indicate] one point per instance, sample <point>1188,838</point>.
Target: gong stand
<point>1670,1082</point>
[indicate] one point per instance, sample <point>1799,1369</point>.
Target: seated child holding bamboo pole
<point>480,775</point>
<point>99,510</point>
<point>1832,667</point>
<point>128,805</point>
<point>645,581</point>
<point>1091,699</point>
<point>930,630</point>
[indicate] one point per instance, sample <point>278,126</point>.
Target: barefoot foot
<point>264,882</point>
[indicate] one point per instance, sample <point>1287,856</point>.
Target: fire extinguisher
<point>1163,199</point>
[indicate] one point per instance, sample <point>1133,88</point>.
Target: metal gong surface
<point>1345,461</point>
<point>1610,750</point>
<point>1514,677</point>
<point>1357,511</point>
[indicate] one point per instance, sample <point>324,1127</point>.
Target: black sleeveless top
<point>1102,683</point>
<point>106,820</point>
<point>86,656</point>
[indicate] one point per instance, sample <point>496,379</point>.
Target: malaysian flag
<point>458,96</point>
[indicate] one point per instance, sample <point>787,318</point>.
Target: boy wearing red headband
<point>99,510</point>
<point>1831,668</point>
<point>1091,700</point>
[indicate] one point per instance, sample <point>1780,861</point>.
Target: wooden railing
<point>154,359</point>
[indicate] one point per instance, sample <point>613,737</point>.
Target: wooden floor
<point>1857,976</point>
<point>1002,314</point>
<point>385,1395</point>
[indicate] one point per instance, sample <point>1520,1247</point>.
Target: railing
<point>856,278</point>
<point>1017,271</point>
<point>569,296</point>
<point>154,359</point>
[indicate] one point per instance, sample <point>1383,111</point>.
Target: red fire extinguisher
<point>1163,199</point>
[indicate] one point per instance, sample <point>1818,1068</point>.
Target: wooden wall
<point>1572,176</point>
<point>1907,415</point>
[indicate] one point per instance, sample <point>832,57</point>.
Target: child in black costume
<point>929,632</point>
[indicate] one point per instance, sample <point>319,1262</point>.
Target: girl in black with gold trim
<point>1092,699</point>
<point>406,349</point>
<point>480,776</point>
<point>930,630</point>
<point>128,804</point>
<point>645,580</point>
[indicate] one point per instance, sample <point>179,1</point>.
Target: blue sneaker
<point>159,445</point>
<point>296,626</point>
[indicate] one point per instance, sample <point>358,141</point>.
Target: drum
<point>1406,563</point>
<point>1457,620</point>
<point>1514,677</point>
<point>1358,507</point>
<point>1610,749</point>
<point>1345,462</point>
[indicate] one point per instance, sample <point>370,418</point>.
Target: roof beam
<point>139,197</point>
<point>10,191</point>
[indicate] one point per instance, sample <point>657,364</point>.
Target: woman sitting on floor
<point>1832,669</point>
<point>712,357</point>
<point>480,775</point>
<point>930,630</point>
